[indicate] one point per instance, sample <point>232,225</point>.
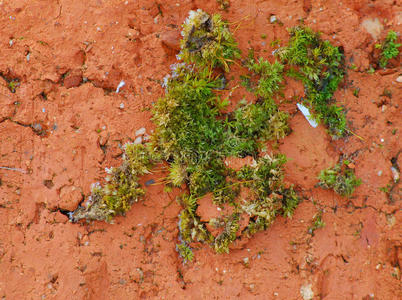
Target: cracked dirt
<point>61,124</point>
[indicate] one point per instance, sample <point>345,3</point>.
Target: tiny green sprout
<point>13,85</point>
<point>185,252</point>
<point>371,70</point>
<point>275,43</point>
<point>389,48</point>
<point>317,223</point>
<point>43,43</point>
<point>356,92</point>
<point>394,131</point>
<point>340,178</point>
<point>263,36</point>
<point>353,67</point>
<point>386,189</point>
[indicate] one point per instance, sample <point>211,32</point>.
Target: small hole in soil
<point>48,183</point>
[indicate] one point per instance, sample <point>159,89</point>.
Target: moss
<point>185,252</point>
<point>271,75</point>
<point>207,41</point>
<point>389,49</point>
<point>321,68</point>
<point>194,135</point>
<point>270,196</point>
<point>224,239</point>
<point>340,178</point>
<point>317,223</point>
<point>122,188</point>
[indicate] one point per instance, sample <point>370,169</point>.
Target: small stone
<point>373,27</point>
<point>103,138</point>
<point>149,182</point>
<point>379,173</point>
<point>72,81</point>
<point>306,292</point>
<point>70,198</point>
<point>399,79</point>
<point>138,140</point>
<point>121,106</point>
<point>171,39</point>
<point>140,131</point>
<point>273,19</point>
<point>395,174</point>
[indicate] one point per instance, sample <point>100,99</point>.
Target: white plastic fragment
<point>305,111</point>
<point>121,84</point>
<point>273,19</point>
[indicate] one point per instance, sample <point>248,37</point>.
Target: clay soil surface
<point>65,123</point>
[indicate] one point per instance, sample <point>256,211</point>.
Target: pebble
<point>395,174</point>
<point>149,182</point>
<point>140,131</point>
<point>138,140</point>
<point>273,19</point>
<point>399,79</point>
<point>171,39</point>
<point>121,106</point>
<point>72,81</point>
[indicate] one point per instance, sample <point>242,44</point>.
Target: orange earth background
<point>64,124</point>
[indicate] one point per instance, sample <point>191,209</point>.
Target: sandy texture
<point>64,124</point>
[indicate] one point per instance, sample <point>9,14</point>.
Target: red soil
<point>65,124</point>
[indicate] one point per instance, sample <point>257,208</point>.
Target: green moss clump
<point>389,48</point>
<point>269,195</point>
<point>340,178</point>
<point>194,136</point>
<point>262,120</point>
<point>271,75</point>
<point>320,67</point>
<point>122,188</point>
<point>228,235</point>
<point>185,252</point>
<point>207,41</point>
